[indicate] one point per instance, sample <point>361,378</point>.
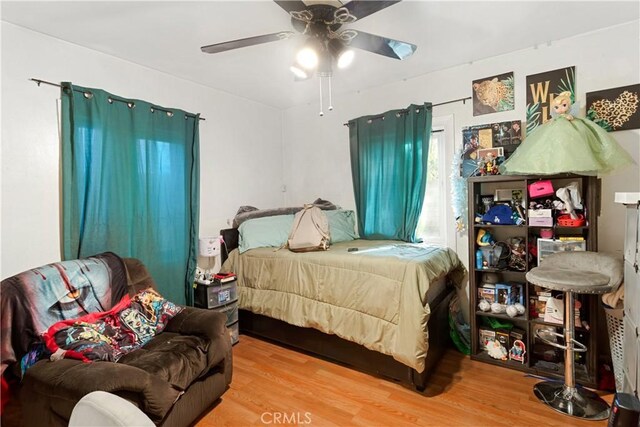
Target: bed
<point>382,308</point>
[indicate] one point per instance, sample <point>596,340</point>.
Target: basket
<point>615,326</point>
<point>567,221</point>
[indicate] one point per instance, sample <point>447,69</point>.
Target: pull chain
<point>330,101</point>
<point>321,112</point>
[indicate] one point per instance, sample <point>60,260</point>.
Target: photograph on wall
<point>615,109</point>
<point>493,94</point>
<point>541,89</point>
<point>498,139</point>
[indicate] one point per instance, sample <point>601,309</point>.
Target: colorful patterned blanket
<point>32,301</point>
<point>111,334</point>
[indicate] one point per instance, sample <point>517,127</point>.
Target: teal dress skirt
<point>567,146</point>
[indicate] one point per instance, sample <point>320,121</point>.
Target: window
<point>433,225</point>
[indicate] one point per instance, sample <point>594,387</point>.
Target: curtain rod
<point>39,82</point>
<point>464,101</point>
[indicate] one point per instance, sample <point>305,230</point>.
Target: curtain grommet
<point>131,104</point>
<point>153,110</point>
<point>169,113</point>
<point>110,100</point>
<point>87,95</point>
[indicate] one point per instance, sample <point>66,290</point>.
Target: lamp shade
<point>209,246</point>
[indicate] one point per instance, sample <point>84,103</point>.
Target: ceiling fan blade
<point>291,5</point>
<point>382,45</point>
<point>249,41</point>
<point>363,8</point>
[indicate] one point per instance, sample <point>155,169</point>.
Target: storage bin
<point>234,332</point>
<point>215,295</point>
<point>231,311</point>
<point>542,188</point>
<point>540,213</point>
<point>547,247</point>
<point>538,221</point>
<point>615,326</point>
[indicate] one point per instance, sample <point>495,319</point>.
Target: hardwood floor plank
<point>277,386</point>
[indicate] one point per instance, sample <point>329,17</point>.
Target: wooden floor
<point>276,386</point>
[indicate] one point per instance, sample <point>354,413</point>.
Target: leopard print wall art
<point>615,109</point>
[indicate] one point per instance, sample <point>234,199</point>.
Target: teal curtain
<point>130,181</point>
<point>389,154</point>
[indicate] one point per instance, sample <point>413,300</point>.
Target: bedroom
<point>151,52</point>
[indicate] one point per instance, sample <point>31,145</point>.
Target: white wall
<point>239,141</point>
<point>242,139</point>
<point>316,149</point>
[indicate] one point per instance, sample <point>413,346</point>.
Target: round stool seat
<point>579,272</point>
<point>563,279</point>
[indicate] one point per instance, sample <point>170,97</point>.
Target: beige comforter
<point>376,296</point>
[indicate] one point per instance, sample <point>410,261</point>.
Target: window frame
<point>444,128</point>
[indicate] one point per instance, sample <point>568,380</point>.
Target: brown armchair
<point>173,378</point>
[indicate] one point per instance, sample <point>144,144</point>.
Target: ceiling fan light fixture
<point>345,58</point>
<point>341,52</point>
<point>299,72</point>
<point>307,58</point>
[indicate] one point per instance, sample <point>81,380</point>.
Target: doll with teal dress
<point>566,144</point>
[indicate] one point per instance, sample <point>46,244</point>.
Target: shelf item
<point>550,246</point>
<point>215,294</point>
<point>221,295</point>
<point>532,247</point>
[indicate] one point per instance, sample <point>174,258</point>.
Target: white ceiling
<point>167,36</point>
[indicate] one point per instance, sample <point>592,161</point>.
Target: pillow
<point>246,213</point>
<point>266,232</point>
<point>342,225</point>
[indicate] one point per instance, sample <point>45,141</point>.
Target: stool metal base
<point>576,402</point>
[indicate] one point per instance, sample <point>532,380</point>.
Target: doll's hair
<point>566,95</point>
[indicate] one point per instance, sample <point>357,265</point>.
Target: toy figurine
<point>484,238</point>
<point>517,351</point>
<point>496,350</point>
<point>566,144</point>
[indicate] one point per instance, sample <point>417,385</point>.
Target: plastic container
<point>215,295</point>
<point>567,221</point>
<point>231,311</point>
<point>615,326</point>
<point>546,233</point>
<point>547,247</point>
<point>234,332</point>
<point>479,259</point>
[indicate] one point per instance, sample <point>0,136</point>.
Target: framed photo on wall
<point>615,109</point>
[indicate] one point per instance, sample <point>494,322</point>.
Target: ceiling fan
<point>326,39</point>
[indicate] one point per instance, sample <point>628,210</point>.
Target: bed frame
<point>336,349</point>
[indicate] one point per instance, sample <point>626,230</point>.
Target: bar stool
<point>576,272</point>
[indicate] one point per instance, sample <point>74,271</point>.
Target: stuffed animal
<point>203,277</point>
